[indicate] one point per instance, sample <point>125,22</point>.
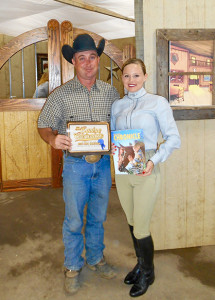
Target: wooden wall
<point>184,215</point>
<point>24,155</point>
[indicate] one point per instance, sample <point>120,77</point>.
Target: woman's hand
<point>113,148</point>
<point>148,169</point>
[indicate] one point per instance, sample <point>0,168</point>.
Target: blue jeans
<point>85,183</point>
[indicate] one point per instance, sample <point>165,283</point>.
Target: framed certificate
<point>89,137</point>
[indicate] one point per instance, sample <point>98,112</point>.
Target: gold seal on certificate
<point>89,137</point>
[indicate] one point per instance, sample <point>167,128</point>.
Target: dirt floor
<point>31,256</point>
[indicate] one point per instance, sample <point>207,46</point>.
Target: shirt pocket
<point>79,117</point>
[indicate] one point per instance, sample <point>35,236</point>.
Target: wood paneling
<point>28,184</point>
<point>209,183</point>
<point>24,155</point>
<point>184,214</point>
<point>16,145</point>
<point>195,183</point>
<point>38,149</point>
<point>21,104</point>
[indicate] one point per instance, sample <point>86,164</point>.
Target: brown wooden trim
<point>20,42</point>
<point>213,76</point>
<point>54,53</point>
<point>67,69</point>
<point>189,73</point>
<point>57,167</point>
<point>128,51</point>
<point>26,184</point>
<point>0,169</point>
<point>187,34</point>
<point>21,104</point>
<point>139,28</point>
<point>94,8</point>
<point>194,113</point>
<point>162,64</point>
<point>54,58</point>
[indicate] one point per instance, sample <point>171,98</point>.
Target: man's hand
<point>148,169</point>
<point>61,142</point>
<point>57,141</point>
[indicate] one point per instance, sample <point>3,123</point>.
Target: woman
<point>42,90</point>
<point>138,193</point>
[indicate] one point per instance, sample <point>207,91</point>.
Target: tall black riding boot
<point>133,276</point>
<point>147,275</point>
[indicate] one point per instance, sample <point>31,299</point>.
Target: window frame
<point>163,37</point>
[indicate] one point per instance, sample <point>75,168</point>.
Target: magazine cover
<point>129,157</point>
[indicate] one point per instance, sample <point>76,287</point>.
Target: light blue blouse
<point>153,114</point>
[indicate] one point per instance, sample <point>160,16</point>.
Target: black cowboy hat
<point>82,42</point>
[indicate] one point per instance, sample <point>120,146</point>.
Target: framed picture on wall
<point>42,64</point>
<point>186,71</point>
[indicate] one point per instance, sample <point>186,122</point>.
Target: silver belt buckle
<point>93,158</point>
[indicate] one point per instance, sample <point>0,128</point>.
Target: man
<point>85,181</point>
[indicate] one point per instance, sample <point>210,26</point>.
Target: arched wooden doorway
<point>24,112</point>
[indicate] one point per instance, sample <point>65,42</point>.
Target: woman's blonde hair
<point>136,61</point>
<point>44,78</point>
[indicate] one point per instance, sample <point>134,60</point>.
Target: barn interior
<point>31,203</point>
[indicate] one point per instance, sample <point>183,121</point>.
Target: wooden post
<point>213,77</point>
<point>54,50</point>
<point>138,11</point>
<point>128,52</point>
<point>66,38</point>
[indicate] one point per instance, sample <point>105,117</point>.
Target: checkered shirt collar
<point>78,85</point>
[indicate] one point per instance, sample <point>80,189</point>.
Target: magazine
<point>129,155</point>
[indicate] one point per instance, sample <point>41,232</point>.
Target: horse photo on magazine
<point>129,157</point>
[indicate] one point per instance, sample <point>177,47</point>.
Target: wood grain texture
<point>209,183</point>
<point>152,19</point>
<point>38,159</point>
<point>94,8</point>
<point>195,183</point>
<point>2,148</point>
<point>66,38</point>
<point>22,104</point>
<point>16,145</point>
<point>26,184</point>
<point>54,58</point>
<point>22,41</point>
<point>176,192</point>
<point>128,51</point>
<point>184,213</point>
<point>54,50</point>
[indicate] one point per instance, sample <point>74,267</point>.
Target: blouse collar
<point>137,94</point>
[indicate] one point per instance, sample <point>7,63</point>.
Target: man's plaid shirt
<point>73,102</point>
